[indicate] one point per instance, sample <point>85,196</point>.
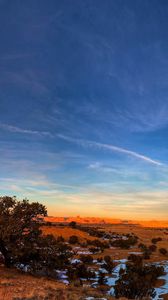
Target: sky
<point>84,106</point>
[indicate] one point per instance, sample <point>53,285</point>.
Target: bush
<point>125,243</point>
<point>109,264</point>
<point>156,240</point>
<point>146,253</point>
<point>94,250</point>
<point>101,278</point>
<point>142,246</point>
<point>72,224</point>
<point>152,248</point>
<point>138,280</point>
<point>163,251</point>
<point>73,239</point>
<point>87,259</point>
<point>80,271</point>
<point>60,239</point>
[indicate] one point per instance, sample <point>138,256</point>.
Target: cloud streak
<point>81,142</point>
<point>92,144</point>
<point>16,129</point>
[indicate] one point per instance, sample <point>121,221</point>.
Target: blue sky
<point>84,106</point>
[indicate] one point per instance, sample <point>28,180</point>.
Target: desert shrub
<point>73,239</point>
<point>142,246</point>
<point>101,278</point>
<point>138,280</point>
<point>109,264</point>
<point>80,271</point>
<point>152,248</point>
<point>49,255</point>
<point>99,259</point>
<point>87,259</point>
<point>163,251</point>
<point>94,250</point>
<point>72,224</point>
<point>60,239</point>
<point>125,243</point>
<point>156,240</point>
<point>98,244</point>
<point>146,253</point>
<point>136,259</point>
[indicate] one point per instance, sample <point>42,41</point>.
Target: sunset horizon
<point>83,149</point>
<point>84,108</point>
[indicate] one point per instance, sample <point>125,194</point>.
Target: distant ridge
<point>96,220</point>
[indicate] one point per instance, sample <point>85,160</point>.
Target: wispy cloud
<point>28,79</point>
<point>16,129</point>
<point>93,144</point>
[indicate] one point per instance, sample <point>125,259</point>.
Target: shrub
<point>87,259</point>
<point>163,251</point>
<point>146,253</point>
<point>101,278</point>
<point>73,239</point>
<point>152,248</point>
<point>138,280</point>
<point>72,224</point>
<point>60,239</point>
<point>156,240</point>
<point>125,243</point>
<point>109,264</point>
<point>80,271</point>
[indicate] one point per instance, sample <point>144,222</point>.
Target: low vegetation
<point>79,256</point>
<point>137,280</point>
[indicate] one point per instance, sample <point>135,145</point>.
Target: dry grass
<point>145,236</point>
<point>66,232</point>
<point>15,285</point>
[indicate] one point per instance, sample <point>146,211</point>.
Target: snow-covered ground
<point>111,280</point>
<point>164,288</point>
<point>62,276</point>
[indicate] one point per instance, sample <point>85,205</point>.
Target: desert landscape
<point>83,149</point>
<point>98,253</point>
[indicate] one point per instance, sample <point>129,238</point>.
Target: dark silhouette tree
<point>22,243</point>
<point>72,224</point>
<point>19,227</point>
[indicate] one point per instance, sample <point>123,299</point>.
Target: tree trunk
<point>5,254</point>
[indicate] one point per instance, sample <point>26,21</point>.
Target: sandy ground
<point>15,285</point>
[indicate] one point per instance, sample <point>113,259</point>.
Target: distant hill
<point>96,220</point>
<point>82,220</point>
